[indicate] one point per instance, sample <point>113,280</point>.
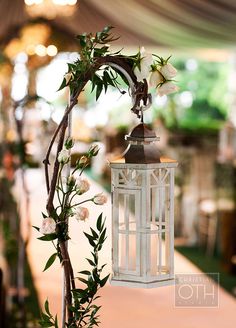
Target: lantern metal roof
<point>142,146</point>
<point>142,149</point>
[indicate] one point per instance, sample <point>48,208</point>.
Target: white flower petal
<point>63,156</point>
<point>168,71</point>
<point>48,226</point>
<point>167,88</point>
<point>100,199</point>
<point>155,79</point>
<point>82,213</point>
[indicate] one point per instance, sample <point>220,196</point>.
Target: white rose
<point>68,77</point>
<point>168,71</point>
<point>145,65</point>
<point>100,199</point>
<point>48,226</point>
<point>155,79</point>
<point>167,88</point>
<point>81,213</point>
<point>63,156</point>
<point>82,185</point>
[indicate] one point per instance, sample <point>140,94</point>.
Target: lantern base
<point>138,284</point>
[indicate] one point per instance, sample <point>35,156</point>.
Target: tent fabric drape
<point>171,23</point>
<point>180,23</point>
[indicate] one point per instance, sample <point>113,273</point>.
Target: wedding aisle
<point>121,306</point>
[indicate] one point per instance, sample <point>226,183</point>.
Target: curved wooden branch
<point>139,93</point>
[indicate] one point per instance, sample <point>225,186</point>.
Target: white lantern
<point>143,214</point>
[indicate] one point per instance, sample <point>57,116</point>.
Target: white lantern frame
<point>152,188</point>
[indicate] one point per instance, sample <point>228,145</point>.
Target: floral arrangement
<point>97,64</point>
<point>162,72</point>
<point>82,311</point>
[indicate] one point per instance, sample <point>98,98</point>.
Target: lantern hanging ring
<point>141,100</point>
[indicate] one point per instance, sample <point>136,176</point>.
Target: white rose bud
<point>155,79</point>
<point>63,156</point>
<point>48,226</point>
<point>100,199</point>
<point>83,160</point>
<point>71,181</point>
<point>68,77</point>
<point>145,65</point>
<point>69,143</point>
<point>168,71</point>
<point>81,213</point>
<point>167,88</point>
<point>93,150</point>
<point>82,186</point>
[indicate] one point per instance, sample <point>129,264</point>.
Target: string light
<point>40,50</point>
<point>50,8</point>
<point>51,50</point>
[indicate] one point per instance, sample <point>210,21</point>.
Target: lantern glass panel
<point>127,230</point>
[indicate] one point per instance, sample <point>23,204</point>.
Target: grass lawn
<point>209,264</point>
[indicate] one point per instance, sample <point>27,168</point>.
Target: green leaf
<point>45,317</point>
<point>62,86</point>
<point>90,239</point>
<point>95,81</point>
<point>85,272</point>
<point>95,235</point>
<point>102,236</point>
<point>107,29</point>
<point>44,215</point>
<point>82,40</point>
<point>56,322</point>
<point>48,237</point>
<point>99,90</point>
<point>95,257</point>
<point>108,79</point>
<point>99,222</point>
<point>37,228</point>
<point>71,66</point>
<point>83,280</point>
<point>104,280</point>
<point>91,262</point>
<point>50,261</point>
<point>46,306</point>
<point>46,324</point>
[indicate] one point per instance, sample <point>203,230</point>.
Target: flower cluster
<point>161,72</point>
<point>68,189</point>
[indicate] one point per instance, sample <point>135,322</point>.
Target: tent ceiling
<point>170,23</point>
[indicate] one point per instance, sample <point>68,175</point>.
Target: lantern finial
<point>142,146</point>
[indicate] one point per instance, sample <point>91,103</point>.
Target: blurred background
<point>196,126</point>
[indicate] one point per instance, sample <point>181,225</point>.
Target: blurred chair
<point>207,227</point>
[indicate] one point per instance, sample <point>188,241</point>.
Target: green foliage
<point>47,319</point>
<point>86,312</point>
<point>50,261</point>
<point>93,47</point>
<point>83,307</point>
